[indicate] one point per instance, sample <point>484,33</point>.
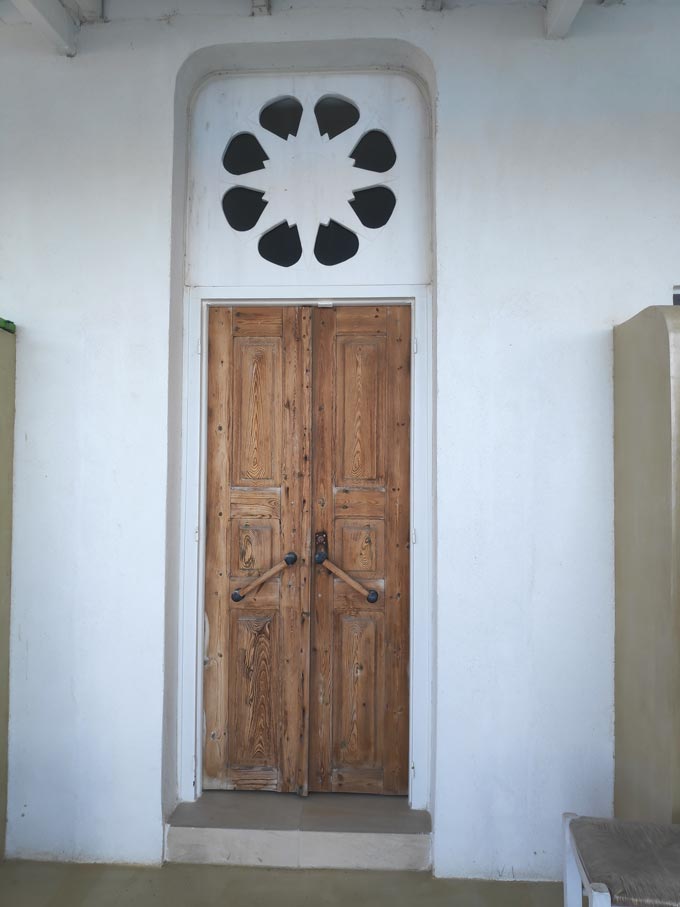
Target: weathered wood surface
<point>361,468</point>
<point>259,474</point>
<point>306,683</point>
<point>321,672</point>
<point>217,554</point>
<point>296,536</point>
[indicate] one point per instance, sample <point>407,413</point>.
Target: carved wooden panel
<point>253,673</point>
<point>361,547</point>
<point>360,409</point>
<point>257,411</point>
<point>255,544</point>
<point>359,672</point>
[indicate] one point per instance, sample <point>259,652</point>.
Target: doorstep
<point>321,831</point>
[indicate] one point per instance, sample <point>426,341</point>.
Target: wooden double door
<point>307,549</point>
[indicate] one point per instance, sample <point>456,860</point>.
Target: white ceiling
<point>82,10</point>
<point>90,10</point>
<point>86,10</point>
<point>8,14</point>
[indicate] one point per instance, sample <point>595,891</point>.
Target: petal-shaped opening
<point>335,244</point>
<point>374,206</point>
<point>244,154</point>
<point>335,115</point>
<point>282,117</point>
<point>243,207</point>
<point>281,245</point>
<point>374,151</point>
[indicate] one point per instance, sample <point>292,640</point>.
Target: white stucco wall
<point>557,191</point>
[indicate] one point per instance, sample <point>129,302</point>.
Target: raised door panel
<point>253,671</point>
<point>360,410</point>
<point>359,699</point>
<point>257,377</point>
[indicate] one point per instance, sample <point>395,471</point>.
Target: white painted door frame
<point>192,565</point>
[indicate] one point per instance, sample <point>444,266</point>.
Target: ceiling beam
<point>85,10</point>
<point>50,17</point>
<point>559,15</point>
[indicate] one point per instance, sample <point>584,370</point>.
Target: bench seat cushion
<point>639,862</point>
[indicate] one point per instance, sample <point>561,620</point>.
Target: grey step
<point>333,831</point>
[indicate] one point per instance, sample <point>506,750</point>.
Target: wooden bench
<point>618,862</point>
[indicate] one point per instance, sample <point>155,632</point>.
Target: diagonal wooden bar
<point>239,594</point>
<point>371,594</point>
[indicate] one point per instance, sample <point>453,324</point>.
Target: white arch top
<point>308,180</point>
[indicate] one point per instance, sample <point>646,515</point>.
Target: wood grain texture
<point>359,681</point>
<point>217,556</point>
<point>259,474</point>
<point>256,504</point>
<point>296,536</point>
<point>258,321</point>
<point>397,550</point>
<point>361,412</point>
<point>306,683</point>
<point>360,319</point>
<point>257,411</point>
<point>323,415</point>
<point>353,502</point>
<point>255,545</point>
<point>253,710</point>
<point>361,547</point>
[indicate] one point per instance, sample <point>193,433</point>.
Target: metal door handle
<point>239,594</point>
<point>321,558</point>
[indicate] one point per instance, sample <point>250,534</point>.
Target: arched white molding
<point>354,55</point>
<point>308,180</point>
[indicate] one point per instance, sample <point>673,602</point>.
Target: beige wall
<point>647,393</point>
<point>7,369</point>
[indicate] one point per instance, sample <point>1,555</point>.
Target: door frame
<point>197,301</point>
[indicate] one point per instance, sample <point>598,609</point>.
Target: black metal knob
<point>372,596</point>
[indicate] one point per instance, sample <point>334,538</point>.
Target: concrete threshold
<point>322,831</point>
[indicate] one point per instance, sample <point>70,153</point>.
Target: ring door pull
<point>321,558</point>
<point>239,594</point>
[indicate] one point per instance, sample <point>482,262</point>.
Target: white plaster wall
<point>557,215</point>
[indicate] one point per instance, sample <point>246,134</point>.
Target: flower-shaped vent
<point>315,180</point>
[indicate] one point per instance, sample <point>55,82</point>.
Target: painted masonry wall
<point>557,197</point>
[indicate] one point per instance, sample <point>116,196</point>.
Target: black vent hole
<point>335,244</point>
<point>374,206</point>
<point>335,115</point>
<point>243,207</point>
<point>244,154</point>
<point>374,151</point>
<point>282,117</point>
<point>281,245</point>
